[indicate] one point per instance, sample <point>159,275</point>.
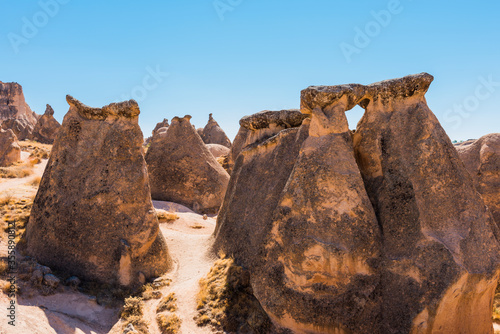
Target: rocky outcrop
<point>182,169</point>
<point>46,128</point>
<point>10,151</point>
<point>482,159</point>
<point>217,150</point>
<point>261,126</point>
<point>93,216</point>
<point>160,125</point>
<point>213,133</point>
<point>381,233</point>
<point>15,114</point>
<point>440,262</point>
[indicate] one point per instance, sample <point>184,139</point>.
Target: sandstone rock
<point>482,159</point>
<point>182,170</point>
<point>262,126</point>
<point>10,151</point>
<point>93,216</point>
<point>160,125</point>
<point>217,150</point>
<point>213,134</point>
<point>45,130</point>
<point>15,113</point>
<point>440,263</point>
<point>51,281</point>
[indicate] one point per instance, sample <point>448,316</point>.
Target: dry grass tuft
<point>168,324</point>
<point>496,305</point>
<point>223,160</point>
<point>167,303</point>
<point>36,181</point>
<point>37,150</point>
<point>226,301</point>
<point>197,226</point>
<point>132,313</point>
<point>140,325</point>
<point>15,213</point>
<point>165,216</point>
<point>150,292</point>
<point>16,171</point>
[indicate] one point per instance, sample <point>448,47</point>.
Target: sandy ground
<point>71,312</point>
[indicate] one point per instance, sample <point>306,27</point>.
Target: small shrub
<point>36,181</point>
<point>140,325</point>
<point>168,324</point>
<point>150,292</point>
<point>134,306</point>
<point>165,216</point>
<point>167,303</point>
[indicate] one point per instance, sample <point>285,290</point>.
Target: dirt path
<point>22,187</point>
<point>189,247</point>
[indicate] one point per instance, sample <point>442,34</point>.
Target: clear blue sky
<point>258,57</point>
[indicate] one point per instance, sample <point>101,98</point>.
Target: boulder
<point>93,216</point>
<point>45,130</point>
<point>182,169</point>
<point>440,254</point>
<point>482,159</point>
<point>217,150</point>
<point>10,151</point>
<point>213,133</point>
<point>15,114</point>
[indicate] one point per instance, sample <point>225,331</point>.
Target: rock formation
<point>10,151</point>
<point>261,126</point>
<point>217,150</point>
<point>182,169</point>
<point>93,216</point>
<point>213,134</point>
<point>15,114</point>
<point>162,124</point>
<point>46,128</point>
<point>482,159</point>
<point>381,233</point>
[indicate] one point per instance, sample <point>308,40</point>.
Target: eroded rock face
<point>46,128</point>
<point>440,260</point>
<point>10,151</point>
<point>93,216</point>
<point>15,114</point>
<point>182,169</point>
<point>482,159</point>
<point>160,125</point>
<point>213,134</point>
<point>261,126</point>
<point>380,231</point>
<point>218,150</point>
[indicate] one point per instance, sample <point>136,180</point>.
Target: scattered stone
<point>482,159</point>
<point>213,134</point>
<point>183,171</point>
<point>130,329</point>
<point>73,282</point>
<point>10,151</point>
<point>93,216</point>
<point>37,277</point>
<point>51,281</point>
<point>45,130</point>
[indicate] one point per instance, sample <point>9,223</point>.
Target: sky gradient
<point>236,57</point>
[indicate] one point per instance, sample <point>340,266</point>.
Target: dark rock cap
<point>282,118</point>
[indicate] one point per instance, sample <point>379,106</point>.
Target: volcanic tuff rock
<point>93,216</point>
<point>15,113</point>
<point>381,233</point>
<point>10,151</point>
<point>182,169</point>
<point>482,159</point>
<point>46,128</point>
<point>213,134</point>
<point>162,124</point>
<point>261,126</point>
<point>217,150</point>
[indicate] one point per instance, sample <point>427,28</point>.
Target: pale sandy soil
<point>71,312</point>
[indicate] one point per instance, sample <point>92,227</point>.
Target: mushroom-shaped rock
<point>93,216</point>
<point>482,159</point>
<point>440,263</point>
<point>10,151</point>
<point>182,169</point>
<point>213,133</point>
<point>262,126</point>
<point>320,269</point>
<point>46,128</point>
